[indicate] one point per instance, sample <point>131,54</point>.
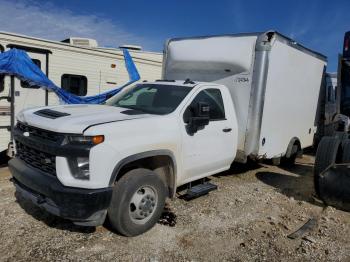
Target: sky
<point>317,24</point>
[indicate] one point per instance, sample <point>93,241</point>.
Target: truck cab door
<point>211,148</point>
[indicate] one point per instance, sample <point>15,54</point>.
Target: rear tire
<point>276,161</point>
<point>137,202</point>
<point>327,152</point>
<point>290,161</point>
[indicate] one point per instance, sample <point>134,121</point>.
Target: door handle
<point>227,130</point>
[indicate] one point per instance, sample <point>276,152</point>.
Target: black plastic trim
<point>30,49</point>
<point>138,156</point>
<point>72,203</point>
<point>50,147</point>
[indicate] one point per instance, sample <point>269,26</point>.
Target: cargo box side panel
<point>226,60</point>
<point>292,90</point>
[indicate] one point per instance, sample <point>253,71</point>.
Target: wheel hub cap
<point>142,204</point>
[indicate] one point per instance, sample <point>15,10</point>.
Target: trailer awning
<point>17,63</point>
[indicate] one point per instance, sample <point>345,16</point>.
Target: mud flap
<point>334,186</point>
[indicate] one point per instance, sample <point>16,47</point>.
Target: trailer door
<point>18,95</point>
<point>27,96</point>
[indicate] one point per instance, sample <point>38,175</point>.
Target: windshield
<point>152,98</point>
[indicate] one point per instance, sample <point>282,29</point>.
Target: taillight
<point>346,45</point>
<point>346,49</point>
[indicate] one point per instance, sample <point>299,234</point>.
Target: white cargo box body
<point>274,83</point>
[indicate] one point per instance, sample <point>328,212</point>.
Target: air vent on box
<point>82,42</point>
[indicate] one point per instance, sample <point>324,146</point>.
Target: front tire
<point>137,202</point>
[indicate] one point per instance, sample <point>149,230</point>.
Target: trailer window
<point>25,84</point>
<point>213,98</point>
<point>75,84</point>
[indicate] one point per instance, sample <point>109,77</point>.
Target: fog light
<point>79,168</point>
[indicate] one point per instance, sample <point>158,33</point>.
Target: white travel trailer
<point>251,95</point>
<point>77,65</point>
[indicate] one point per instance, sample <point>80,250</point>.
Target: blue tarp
<point>17,63</point>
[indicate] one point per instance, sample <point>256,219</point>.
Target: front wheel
<point>137,202</point>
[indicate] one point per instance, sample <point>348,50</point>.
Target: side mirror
<point>200,117</point>
<point>202,110</point>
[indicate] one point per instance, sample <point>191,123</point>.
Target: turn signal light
<point>98,139</point>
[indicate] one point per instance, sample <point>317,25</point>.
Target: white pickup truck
<point>124,158</point>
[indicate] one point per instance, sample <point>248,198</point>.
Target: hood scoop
<point>49,113</point>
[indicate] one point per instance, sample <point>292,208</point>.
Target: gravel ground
<point>247,219</point>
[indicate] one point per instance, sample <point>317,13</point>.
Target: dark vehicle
<point>332,163</point>
<point>344,66</point>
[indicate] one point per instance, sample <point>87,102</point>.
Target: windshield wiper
<point>133,112</point>
<point>144,111</point>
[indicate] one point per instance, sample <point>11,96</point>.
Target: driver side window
<point>213,98</point>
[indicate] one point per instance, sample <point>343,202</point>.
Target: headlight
<point>79,167</point>
<point>85,140</point>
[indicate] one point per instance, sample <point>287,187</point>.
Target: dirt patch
<point>248,218</point>
<point>168,217</point>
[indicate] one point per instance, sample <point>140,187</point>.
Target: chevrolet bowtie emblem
<point>47,161</point>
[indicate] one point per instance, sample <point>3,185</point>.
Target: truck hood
<point>75,118</point>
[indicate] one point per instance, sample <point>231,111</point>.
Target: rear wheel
<point>137,202</point>
<point>290,161</point>
<point>327,152</point>
<point>276,161</point>
<point>334,185</point>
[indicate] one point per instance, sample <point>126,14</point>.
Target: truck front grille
<point>40,133</point>
<point>37,159</point>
